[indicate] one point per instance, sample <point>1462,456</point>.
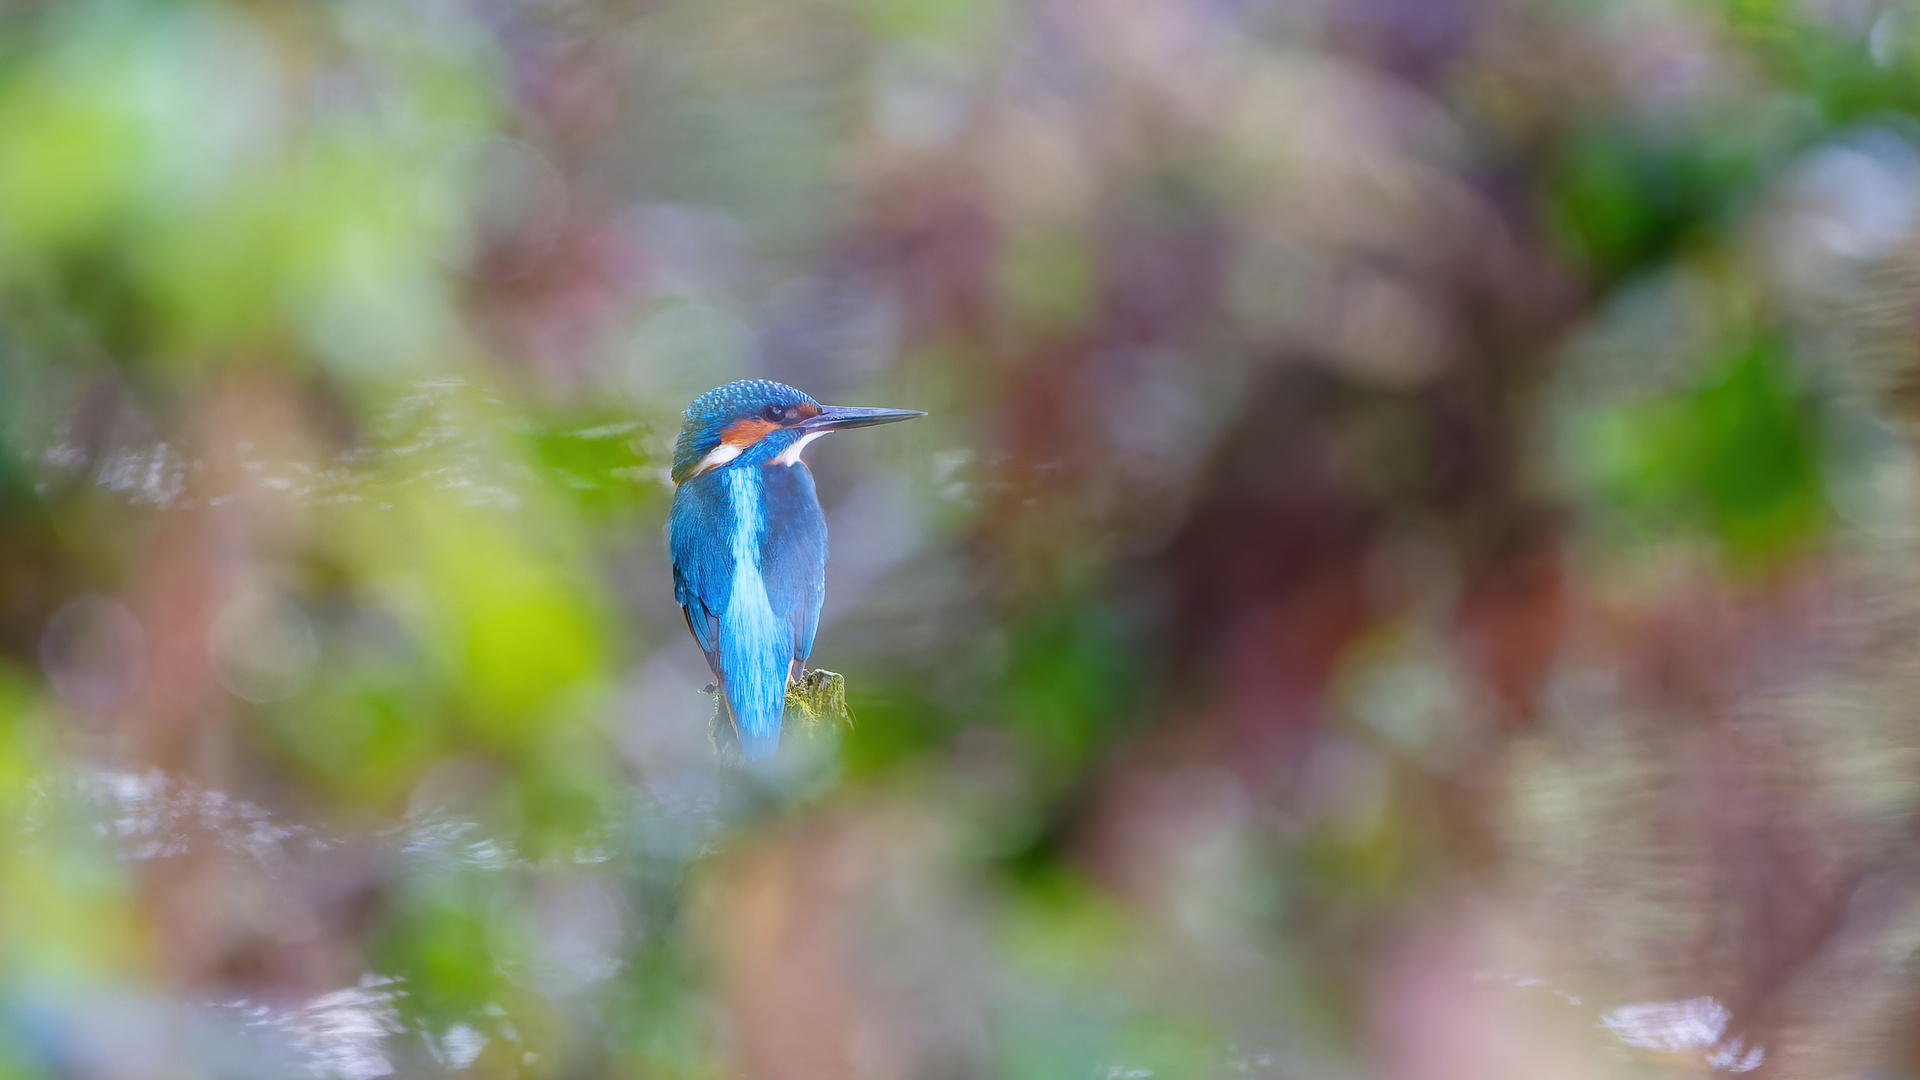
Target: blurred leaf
<point>1738,454</point>
<point>1069,685</point>
<point>447,940</point>
<point>1626,200</point>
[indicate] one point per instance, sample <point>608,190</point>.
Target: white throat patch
<point>791,455</point>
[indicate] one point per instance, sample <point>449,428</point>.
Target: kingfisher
<point>749,543</point>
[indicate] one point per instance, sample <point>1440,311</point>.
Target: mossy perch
<point>819,697</point>
<point>816,697</point>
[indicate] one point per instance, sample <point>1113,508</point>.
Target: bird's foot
<point>818,697</point>
<point>726,742</point>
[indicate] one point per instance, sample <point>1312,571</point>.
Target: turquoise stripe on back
<point>754,646</point>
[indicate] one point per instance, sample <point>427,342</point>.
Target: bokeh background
<point>1412,569</point>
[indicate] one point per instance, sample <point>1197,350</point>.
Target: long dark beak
<point>837,417</point>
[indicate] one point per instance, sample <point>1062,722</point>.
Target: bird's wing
<point>793,557</point>
<point>697,541</point>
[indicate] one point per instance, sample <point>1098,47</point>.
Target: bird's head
<point>756,422</point>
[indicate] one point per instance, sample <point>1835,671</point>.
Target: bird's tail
<point>756,706</point>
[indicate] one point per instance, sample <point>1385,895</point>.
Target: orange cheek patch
<point>744,433</point>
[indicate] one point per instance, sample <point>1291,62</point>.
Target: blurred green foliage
<point>1737,455</point>
<point>1313,389</point>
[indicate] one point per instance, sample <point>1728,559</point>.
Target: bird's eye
<point>774,413</point>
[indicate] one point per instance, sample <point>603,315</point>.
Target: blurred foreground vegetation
<point>1409,571</point>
